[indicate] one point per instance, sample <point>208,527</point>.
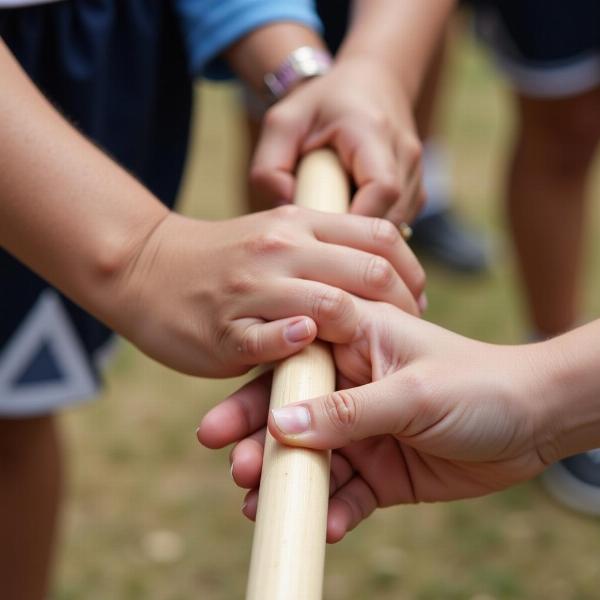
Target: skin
<point>553,152</point>
<point>429,416</point>
<point>30,493</point>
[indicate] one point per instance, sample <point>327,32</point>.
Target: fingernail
<point>298,331</point>
<point>291,419</point>
<point>244,506</point>
<point>231,470</point>
<point>423,303</point>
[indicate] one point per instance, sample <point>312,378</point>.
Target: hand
<point>359,109</point>
<point>446,418</point>
<point>218,298</point>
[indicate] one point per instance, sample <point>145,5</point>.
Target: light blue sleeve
<point>210,26</point>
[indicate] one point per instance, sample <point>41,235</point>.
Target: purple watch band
<point>303,63</point>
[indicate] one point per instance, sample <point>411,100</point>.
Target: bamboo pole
<point>288,551</point>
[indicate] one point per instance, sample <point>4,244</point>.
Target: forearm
<point>570,366</point>
<point>401,36</point>
<point>66,210</point>
<point>263,50</point>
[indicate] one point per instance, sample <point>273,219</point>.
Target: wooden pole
<point>288,551</point>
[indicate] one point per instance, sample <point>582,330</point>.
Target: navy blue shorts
<point>118,71</point>
<point>548,48</point>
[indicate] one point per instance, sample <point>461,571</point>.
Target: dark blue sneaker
<point>575,482</point>
<point>445,239</point>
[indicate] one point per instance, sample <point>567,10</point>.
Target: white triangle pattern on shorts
<point>47,324</point>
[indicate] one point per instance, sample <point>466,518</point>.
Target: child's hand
<point>360,110</point>
<point>218,298</point>
<point>446,418</point>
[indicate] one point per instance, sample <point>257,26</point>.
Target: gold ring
<point>405,231</point>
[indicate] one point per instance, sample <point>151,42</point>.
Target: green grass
<point>153,516</point>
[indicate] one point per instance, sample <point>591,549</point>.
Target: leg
<point>551,160</point>
<point>30,491</point>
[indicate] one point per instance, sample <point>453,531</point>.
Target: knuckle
<point>413,149</point>
<point>379,273</point>
<point>239,284</point>
<point>267,243</point>
<point>259,175</point>
<point>288,213</point>
<point>251,343</point>
<point>379,120</point>
<point>384,232</point>
<point>277,118</point>
<point>330,304</point>
<point>389,187</point>
<point>341,410</point>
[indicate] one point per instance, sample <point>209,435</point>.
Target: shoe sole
<point>570,491</point>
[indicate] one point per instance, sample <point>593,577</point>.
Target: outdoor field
<point>152,515</point>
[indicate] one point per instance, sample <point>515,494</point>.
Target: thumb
<point>342,417</point>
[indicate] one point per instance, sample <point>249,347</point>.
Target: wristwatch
<point>303,63</point>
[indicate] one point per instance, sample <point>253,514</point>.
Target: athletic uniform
<point>121,70</point>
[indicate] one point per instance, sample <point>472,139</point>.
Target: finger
<point>341,472</point>
<point>247,456</point>
<point>246,460</point>
<point>350,505</point>
<point>341,417</point>
<point>251,342</point>
<point>375,236</point>
<point>277,152</point>
<point>332,309</point>
<point>370,157</point>
<point>408,152</point>
<point>340,517</point>
<point>374,459</point>
<point>238,416</point>
<point>367,152</point>
<point>379,183</point>
<point>365,275</point>
<point>250,505</point>
<point>411,202</point>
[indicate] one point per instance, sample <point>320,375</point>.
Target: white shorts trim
<point>553,82</point>
<point>47,325</point>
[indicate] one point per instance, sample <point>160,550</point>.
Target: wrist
<point>363,69</point>
<point>115,259</point>
<point>569,398</point>
<point>265,49</point>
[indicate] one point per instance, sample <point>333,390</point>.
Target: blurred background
<point>153,515</point>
